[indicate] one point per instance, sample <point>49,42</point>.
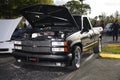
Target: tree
<point>75,7</point>
<point>116,14</point>
<point>44,1</point>
<point>111,18</point>
<point>10,8</point>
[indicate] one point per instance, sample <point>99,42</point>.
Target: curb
<point>109,55</point>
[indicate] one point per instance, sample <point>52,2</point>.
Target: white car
<point>7,27</point>
<point>107,29</point>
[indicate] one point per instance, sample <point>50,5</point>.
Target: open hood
<point>7,27</point>
<point>39,15</point>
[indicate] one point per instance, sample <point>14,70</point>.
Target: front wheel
<point>77,57</point>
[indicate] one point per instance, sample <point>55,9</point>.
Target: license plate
<point>33,59</point>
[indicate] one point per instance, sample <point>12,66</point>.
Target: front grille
<point>36,46</point>
<point>36,49</point>
<point>38,43</point>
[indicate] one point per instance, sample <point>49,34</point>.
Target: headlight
<point>17,42</point>
<point>34,35</point>
<point>60,46</point>
<point>59,43</point>
<point>60,49</point>
<point>18,47</point>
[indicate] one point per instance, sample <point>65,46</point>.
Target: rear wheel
<point>98,47</point>
<point>77,58</point>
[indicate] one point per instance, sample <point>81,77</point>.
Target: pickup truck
<point>57,38</point>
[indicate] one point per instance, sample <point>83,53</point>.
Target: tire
<point>77,58</point>
<point>97,49</point>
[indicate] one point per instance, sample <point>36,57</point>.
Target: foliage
<point>115,49</point>
<point>106,19</point>
<point>45,1</point>
<point>75,7</point>
<point>10,8</point>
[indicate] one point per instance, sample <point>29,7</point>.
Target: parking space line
<point>17,67</point>
<point>87,59</point>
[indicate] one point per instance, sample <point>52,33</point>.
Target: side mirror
<point>85,30</point>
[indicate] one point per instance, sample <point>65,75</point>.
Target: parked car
<point>58,38</point>
<point>7,27</point>
<point>107,30</point>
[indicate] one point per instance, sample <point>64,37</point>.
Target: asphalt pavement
<point>109,40</point>
<point>98,69</point>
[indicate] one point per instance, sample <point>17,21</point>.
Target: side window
<point>86,23</point>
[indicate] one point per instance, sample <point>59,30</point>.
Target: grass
<point>111,48</point>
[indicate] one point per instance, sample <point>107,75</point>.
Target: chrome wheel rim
<point>77,58</point>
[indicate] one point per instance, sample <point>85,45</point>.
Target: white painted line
<point>87,59</point>
<point>18,67</point>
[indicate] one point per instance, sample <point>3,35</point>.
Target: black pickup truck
<point>57,38</point>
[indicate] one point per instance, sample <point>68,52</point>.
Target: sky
<point>98,7</point>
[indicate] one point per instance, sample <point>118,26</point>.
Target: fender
<point>75,42</point>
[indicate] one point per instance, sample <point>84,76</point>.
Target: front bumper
<point>43,59</point>
<point>6,47</point>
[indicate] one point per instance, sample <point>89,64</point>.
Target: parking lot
<point>93,67</point>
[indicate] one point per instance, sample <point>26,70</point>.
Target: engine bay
<point>46,33</point>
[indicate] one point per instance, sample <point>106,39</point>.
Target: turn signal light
<point>65,49</point>
<point>65,43</point>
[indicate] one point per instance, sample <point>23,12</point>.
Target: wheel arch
<point>77,44</point>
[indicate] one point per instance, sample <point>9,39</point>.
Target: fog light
<point>19,60</point>
<point>18,47</point>
<point>58,49</point>
<point>58,64</point>
<point>18,42</point>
